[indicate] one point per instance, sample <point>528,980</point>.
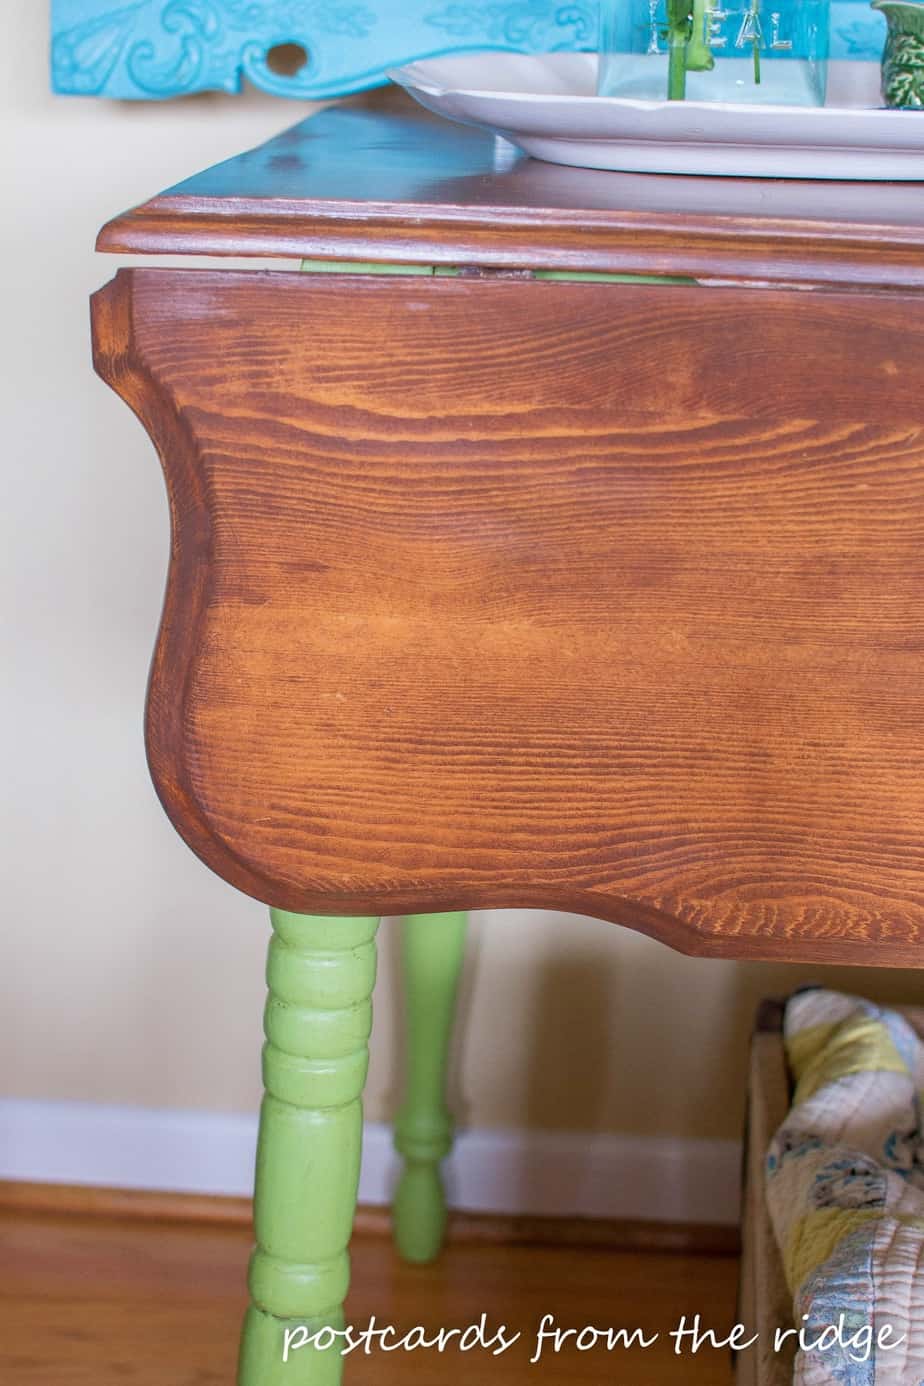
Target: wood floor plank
<point>87,1301</point>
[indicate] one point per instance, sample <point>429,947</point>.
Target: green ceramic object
<point>903,58</point>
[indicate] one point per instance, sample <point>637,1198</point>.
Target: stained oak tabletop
<point>491,593</point>
<point>379,179</point>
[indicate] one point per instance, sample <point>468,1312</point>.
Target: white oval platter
<point>546,105</point>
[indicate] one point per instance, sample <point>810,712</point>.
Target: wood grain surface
<point>86,1301</point>
<point>382,180</point>
<point>603,599</point>
<point>19,1197</point>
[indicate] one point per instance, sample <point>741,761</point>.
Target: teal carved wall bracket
<point>159,48</point>
<point>151,49</point>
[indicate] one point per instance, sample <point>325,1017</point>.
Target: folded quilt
<point>845,1189</point>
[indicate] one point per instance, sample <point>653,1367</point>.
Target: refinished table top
<point>380,179</point>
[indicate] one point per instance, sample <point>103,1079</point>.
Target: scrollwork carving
<point>531,24</point>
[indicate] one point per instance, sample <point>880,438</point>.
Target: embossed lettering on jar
<point>769,52</point>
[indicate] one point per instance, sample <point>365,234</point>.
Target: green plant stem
<point>700,57</point>
<point>677,67</point>
<point>755,11</point>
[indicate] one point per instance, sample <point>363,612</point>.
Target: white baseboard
<point>542,1173</point>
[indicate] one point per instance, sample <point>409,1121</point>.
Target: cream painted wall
<point>127,973</point>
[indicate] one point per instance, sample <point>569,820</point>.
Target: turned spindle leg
<point>320,975</point>
<point>433,949</point>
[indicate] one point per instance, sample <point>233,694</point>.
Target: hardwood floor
<point>92,1301</point>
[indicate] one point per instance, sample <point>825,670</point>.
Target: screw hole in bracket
<point>287,59</point>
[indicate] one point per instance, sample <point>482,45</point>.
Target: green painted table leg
<point>318,1016</point>
<point>434,946</point>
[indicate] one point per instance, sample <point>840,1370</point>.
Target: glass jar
<point>768,52</point>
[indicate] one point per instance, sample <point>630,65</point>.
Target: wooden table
<point>498,580</point>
